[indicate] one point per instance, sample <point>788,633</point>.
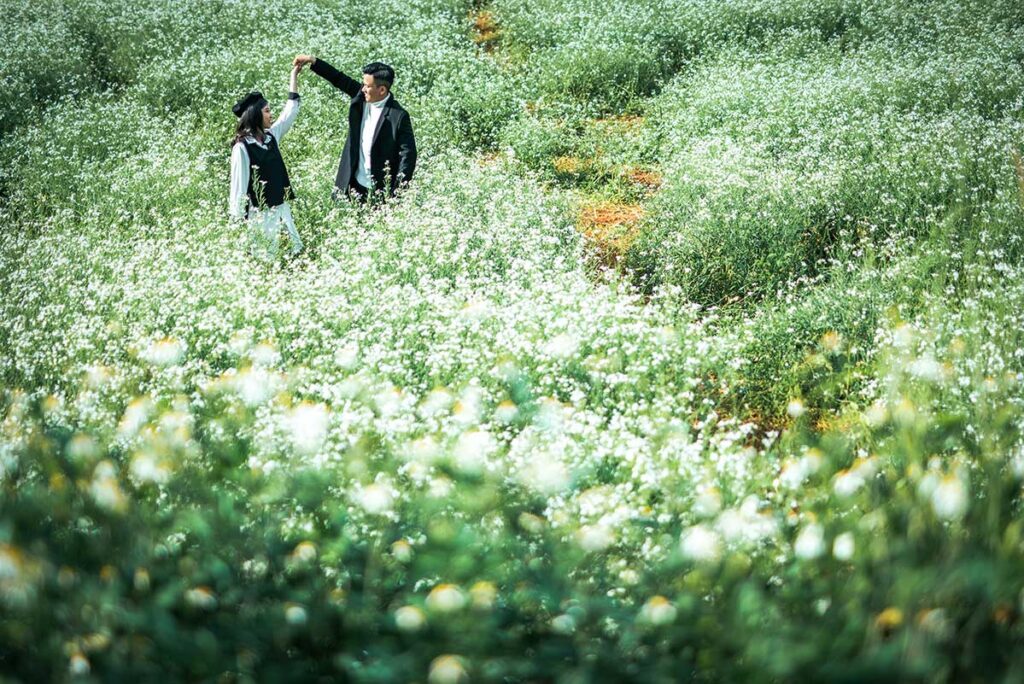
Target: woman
<point>260,188</point>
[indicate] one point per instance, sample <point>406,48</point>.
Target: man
<point>380,150</point>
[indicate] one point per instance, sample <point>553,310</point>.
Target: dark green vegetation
<point>781,443</point>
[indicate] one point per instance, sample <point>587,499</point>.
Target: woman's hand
<point>302,60</point>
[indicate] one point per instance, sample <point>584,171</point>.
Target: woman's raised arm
<point>291,108</point>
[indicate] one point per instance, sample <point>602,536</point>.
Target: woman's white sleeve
<point>287,118</point>
<point>239,182</point>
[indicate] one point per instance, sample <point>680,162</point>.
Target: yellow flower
<point>889,619</point>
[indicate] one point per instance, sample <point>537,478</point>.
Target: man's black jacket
<point>394,145</point>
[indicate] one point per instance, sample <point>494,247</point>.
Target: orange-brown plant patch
<point>645,177</point>
<point>568,164</point>
<point>485,29</point>
<point>621,122</point>
<point>610,227</point>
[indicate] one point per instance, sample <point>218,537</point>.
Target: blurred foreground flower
<point>448,669</point>
<point>410,619</point>
<point>307,424</point>
<point>165,352</point>
<point>810,543</point>
<point>295,614</point>
<point>304,552</point>
<point>658,610</point>
<point>844,546</point>
<point>105,489</point>
<point>201,598</point>
<point>483,595</point>
<point>446,598</point>
<point>949,499</point>
<point>595,538</point>
<point>377,499</point>
<point>700,543</point>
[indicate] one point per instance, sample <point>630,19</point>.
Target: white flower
<point>792,475</point>
<point>844,546</point>
<point>926,368</point>
<point>147,467</point>
<point>550,416</point>
<point>423,450</point>
<point>347,357</point>
<point>876,414</point>
<point>402,551</point>
<point>561,346</point>
<point>795,408</point>
<point>563,624</point>
<point>545,473</point>
<point>105,490</point>
<point>436,402</point>
<point>239,343</point>
<point>446,598</point>
<point>472,450</point>
<point>135,416</point>
<point>84,448</point>
<point>388,401</point>
<point>410,619</point>
<point>476,310</point>
<point>506,411</point>
<point>202,598</point>
<point>265,354</point>
<point>701,543</point>
<point>847,482</point>
<point>810,543</point>
<point>468,409</point>
<point>949,498</point>
<point>165,352</point>
<point>746,524</point>
<point>440,487</point>
<point>594,538</point>
<point>658,610</point>
<point>255,385</point>
<point>376,499</point>
<point>447,669</point>
<point>295,614</point>
<point>79,665</point>
<point>307,425</point>
<point>708,503</point>
<point>903,336</point>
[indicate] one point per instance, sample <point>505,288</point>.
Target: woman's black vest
<point>268,180</point>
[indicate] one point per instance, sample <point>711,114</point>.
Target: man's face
<point>371,91</point>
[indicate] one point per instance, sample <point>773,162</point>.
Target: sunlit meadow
<point>769,430</point>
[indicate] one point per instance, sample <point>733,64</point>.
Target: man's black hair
<point>381,72</point>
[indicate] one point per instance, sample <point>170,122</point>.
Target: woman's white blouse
<point>240,158</point>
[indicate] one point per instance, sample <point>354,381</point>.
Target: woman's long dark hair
<point>250,123</point>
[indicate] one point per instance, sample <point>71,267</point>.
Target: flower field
<point>695,351</point>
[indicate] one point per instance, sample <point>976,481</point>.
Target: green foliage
<point>764,184</point>
<point>438,446</point>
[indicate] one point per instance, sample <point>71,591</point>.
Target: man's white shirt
<point>372,111</point>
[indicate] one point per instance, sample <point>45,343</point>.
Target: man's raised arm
<point>325,71</point>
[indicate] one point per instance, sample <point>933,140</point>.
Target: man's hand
<point>303,60</point>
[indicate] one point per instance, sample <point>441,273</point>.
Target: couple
<point>379,154</point>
